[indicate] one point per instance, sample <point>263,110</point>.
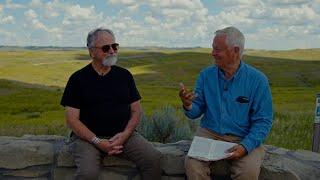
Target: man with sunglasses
<point>103,109</point>
<point>234,100</point>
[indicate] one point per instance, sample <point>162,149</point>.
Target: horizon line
<point>139,47</point>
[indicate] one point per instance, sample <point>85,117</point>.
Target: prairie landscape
<point>32,82</point>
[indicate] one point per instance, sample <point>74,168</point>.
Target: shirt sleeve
<point>261,115</point>
<point>71,95</point>
<point>133,91</point>
<point>198,104</point>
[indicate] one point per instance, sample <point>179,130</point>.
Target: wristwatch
<point>95,140</point>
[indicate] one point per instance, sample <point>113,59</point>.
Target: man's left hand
<point>237,152</point>
<point>119,139</point>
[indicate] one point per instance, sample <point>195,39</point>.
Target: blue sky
<point>267,24</point>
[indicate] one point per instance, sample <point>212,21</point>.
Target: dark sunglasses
<point>106,48</point>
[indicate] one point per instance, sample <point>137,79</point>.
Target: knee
<point>149,160</point>
<point>153,157</point>
<point>187,164</point>
<point>190,164</point>
<point>196,169</point>
<point>246,173</point>
<point>87,173</point>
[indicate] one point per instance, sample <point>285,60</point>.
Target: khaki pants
<point>245,168</point>
<point>137,149</point>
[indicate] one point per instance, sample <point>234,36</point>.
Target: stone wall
<point>47,157</point>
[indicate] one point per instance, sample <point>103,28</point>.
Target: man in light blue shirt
<point>235,103</point>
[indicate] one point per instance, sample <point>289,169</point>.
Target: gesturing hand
<point>186,96</point>
<point>237,152</point>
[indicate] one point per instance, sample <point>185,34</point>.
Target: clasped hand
<point>113,145</point>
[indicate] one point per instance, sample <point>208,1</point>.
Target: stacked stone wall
<point>48,157</point>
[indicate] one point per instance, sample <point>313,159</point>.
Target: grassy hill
<point>296,54</point>
<point>32,83</point>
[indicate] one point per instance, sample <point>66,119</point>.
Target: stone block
<point>63,173</point>
<point>172,161</point>
<point>112,175</point>
<point>33,157</point>
<point>27,173</point>
<point>172,178</point>
<point>65,158</point>
<point>117,161</point>
<point>43,137</point>
<point>18,154</point>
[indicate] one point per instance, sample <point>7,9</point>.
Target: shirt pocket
<point>241,106</point>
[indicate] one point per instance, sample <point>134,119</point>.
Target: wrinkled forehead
<point>103,38</point>
<point>219,40</point>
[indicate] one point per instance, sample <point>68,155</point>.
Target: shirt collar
<point>238,72</point>
<point>236,75</point>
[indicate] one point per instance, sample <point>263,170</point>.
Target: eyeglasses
<point>106,48</point>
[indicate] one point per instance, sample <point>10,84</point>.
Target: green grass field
<point>32,82</point>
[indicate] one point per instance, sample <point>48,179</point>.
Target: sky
<point>266,24</point>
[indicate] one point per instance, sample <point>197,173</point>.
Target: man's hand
<point>186,97</point>
<point>107,147</point>
<point>119,139</point>
<point>237,152</point>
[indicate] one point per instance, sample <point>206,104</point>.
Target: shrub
<point>165,125</point>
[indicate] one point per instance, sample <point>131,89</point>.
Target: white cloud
<point>33,22</point>
<point>11,5</point>
<point>237,3</point>
<point>176,4</point>
<point>36,4</point>
<point>76,12</point>
<point>7,20</point>
<point>134,7</point>
<point>228,18</point>
<point>31,14</point>
<point>51,14</point>
<point>175,13</point>
<point>119,26</point>
<point>4,19</point>
<point>261,13</point>
<point>288,2</point>
<point>151,20</point>
<point>295,15</point>
<point>165,22</point>
<point>38,25</point>
<point>6,33</point>
<point>122,2</point>
<point>81,19</point>
<point>6,37</point>
<point>52,10</point>
<point>270,32</point>
<point>171,4</point>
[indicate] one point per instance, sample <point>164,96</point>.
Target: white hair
<point>234,38</point>
<point>92,35</point>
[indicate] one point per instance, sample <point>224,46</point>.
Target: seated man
<point>103,109</point>
<point>235,101</point>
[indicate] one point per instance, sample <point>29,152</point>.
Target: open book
<point>209,149</point>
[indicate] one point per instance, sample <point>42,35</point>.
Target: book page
<point>200,148</point>
<point>208,149</point>
<point>219,149</point>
